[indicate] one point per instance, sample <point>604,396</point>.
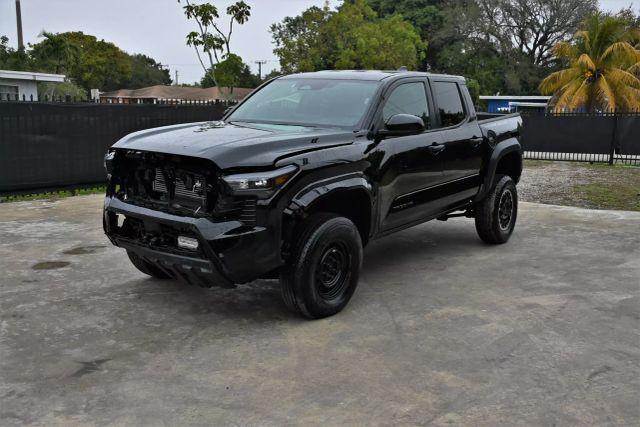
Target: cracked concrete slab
<point>443,330</point>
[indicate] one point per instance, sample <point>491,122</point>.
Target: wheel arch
<point>349,197</point>
<point>506,159</point>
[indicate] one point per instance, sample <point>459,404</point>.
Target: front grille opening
<point>187,186</point>
<point>178,185</point>
<point>175,184</point>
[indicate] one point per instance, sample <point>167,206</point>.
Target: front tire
<point>325,265</point>
<point>496,215</point>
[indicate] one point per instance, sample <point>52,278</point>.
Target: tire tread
<point>293,272</point>
<point>485,212</point>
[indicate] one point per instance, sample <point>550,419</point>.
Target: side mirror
<point>402,124</point>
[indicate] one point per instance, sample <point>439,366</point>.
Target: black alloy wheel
<point>324,265</point>
<point>332,271</point>
<point>505,210</point>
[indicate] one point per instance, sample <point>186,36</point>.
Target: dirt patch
<point>84,250</point>
<point>50,265</point>
<point>594,186</point>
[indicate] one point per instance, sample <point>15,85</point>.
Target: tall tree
<point>351,37</point>
<point>93,63</point>
<point>211,37</point>
<point>532,27</point>
<point>101,64</point>
<point>146,71</point>
<point>12,59</point>
<point>299,43</point>
<point>503,44</point>
<point>629,16</point>
<point>232,72</point>
<point>56,52</point>
<point>427,16</point>
<point>603,67</point>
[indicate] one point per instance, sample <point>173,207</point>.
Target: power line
<point>200,65</point>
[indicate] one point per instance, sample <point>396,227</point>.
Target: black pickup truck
<point>295,180</point>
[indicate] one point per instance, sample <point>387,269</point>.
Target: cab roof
<point>369,75</point>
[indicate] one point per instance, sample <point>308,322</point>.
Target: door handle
<point>436,148</point>
<point>475,142</point>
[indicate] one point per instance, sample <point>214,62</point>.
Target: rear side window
<point>449,103</point>
<point>408,98</point>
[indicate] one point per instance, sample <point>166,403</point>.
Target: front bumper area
<point>228,252</point>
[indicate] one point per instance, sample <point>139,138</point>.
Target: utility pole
<point>176,83</point>
<point>19,23</point>
<point>260,63</point>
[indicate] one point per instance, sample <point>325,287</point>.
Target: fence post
<point>614,137</point>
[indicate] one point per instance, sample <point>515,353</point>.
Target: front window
<point>408,98</point>
<point>308,102</point>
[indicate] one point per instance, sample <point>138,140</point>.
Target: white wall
<point>25,87</point>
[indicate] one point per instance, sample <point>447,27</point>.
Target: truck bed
<point>499,126</point>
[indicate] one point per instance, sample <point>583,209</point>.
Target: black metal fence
<point>52,145</point>
<point>46,146</point>
<point>607,137</point>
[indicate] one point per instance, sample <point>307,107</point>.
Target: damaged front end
<point>177,213</point>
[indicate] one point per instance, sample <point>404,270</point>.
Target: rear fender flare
<point>499,151</point>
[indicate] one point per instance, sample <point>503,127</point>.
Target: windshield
<point>308,102</point>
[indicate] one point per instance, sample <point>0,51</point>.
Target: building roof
<point>371,75</point>
<point>178,92</point>
<point>30,75</point>
<point>528,104</point>
<point>515,98</point>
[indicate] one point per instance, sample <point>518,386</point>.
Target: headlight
<point>108,161</point>
<point>262,184</point>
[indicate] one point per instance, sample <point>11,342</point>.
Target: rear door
<point>413,163</point>
<point>462,138</point>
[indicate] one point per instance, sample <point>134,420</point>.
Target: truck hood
<point>235,145</point>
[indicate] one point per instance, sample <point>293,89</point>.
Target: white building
<point>509,104</point>
<point>24,84</point>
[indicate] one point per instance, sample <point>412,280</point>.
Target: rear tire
<point>325,265</point>
<point>496,215</point>
<point>147,268</point>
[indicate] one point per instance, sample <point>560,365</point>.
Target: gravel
<point>559,183</point>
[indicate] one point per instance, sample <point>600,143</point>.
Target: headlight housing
<point>261,184</point>
<point>108,162</point>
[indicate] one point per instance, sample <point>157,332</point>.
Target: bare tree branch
<point>532,26</point>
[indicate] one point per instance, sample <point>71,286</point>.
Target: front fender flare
<point>319,189</point>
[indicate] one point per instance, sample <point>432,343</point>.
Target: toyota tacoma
<point>296,179</point>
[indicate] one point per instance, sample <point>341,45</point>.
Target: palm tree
<point>604,68</point>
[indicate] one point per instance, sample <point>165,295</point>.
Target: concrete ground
<point>443,330</point>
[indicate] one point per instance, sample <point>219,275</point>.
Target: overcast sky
<point>158,28</point>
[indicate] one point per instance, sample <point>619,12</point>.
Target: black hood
<point>234,145</point>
